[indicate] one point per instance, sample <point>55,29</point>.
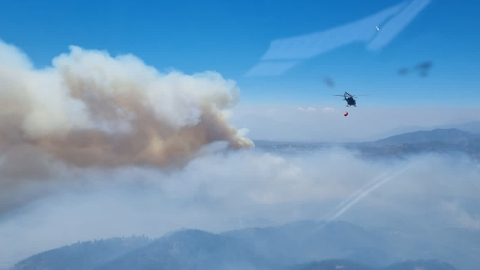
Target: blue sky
<point>230,37</point>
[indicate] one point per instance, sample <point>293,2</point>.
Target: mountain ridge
<point>86,254</point>
<point>450,135</point>
<point>274,247</point>
<point>445,141</point>
<point>468,126</point>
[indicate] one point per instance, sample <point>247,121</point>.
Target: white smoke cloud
<point>224,191</point>
<point>460,216</point>
<point>307,109</point>
<point>328,110</point>
<point>90,109</point>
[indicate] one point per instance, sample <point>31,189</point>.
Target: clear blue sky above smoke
<point>231,37</point>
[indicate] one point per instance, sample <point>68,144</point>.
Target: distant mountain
<point>351,265</point>
<point>420,265</point>
<point>450,136</point>
<point>397,131</point>
<point>288,148</point>
<point>449,141</point>
<point>471,127</point>
<point>82,256</point>
<point>334,265</point>
<point>434,141</point>
<point>307,241</point>
<point>305,245</point>
<point>191,250</point>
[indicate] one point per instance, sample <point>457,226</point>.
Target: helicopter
<point>349,99</point>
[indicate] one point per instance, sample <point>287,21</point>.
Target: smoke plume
<point>90,109</point>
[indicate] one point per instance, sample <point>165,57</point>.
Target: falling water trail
<point>365,193</point>
<point>360,194</point>
<point>357,193</point>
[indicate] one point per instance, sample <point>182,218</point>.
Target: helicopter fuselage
<point>351,102</point>
<point>349,99</point>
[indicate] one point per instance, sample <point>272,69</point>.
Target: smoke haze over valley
<point>420,196</point>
